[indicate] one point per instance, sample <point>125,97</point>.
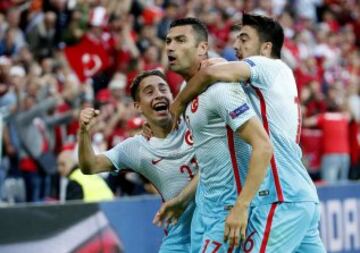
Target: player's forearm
<point>227,72</point>
<point>86,154</point>
<point>188,193</point>
<point>259,162</point>
<point>193,88</point>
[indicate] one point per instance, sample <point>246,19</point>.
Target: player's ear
<point>137,106</point>
<point>265,49</point>
<point>203,48</point>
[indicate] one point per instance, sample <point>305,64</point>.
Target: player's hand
<point>235,225</point>
<point>212,61</point>
<point>88,118</point>
<point>169,212</point>
<point>176,109</point>
<point>146,131</point>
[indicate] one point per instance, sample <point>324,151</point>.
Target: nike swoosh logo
<point>154,162</point>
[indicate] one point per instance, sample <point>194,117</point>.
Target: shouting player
<point>285,216</point>
<point>225,130</point>
<point>167,159</point>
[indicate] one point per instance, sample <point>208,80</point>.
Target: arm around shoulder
<point>236,71</point>
<point>221,72</point>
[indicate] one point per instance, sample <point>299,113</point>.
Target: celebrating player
<point>167,159</point>
<point>226,133</point>
<point>285,215</point>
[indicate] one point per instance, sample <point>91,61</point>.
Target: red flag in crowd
<point>87,58</point>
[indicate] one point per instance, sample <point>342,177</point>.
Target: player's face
<point>154,99</point>
<point>183,50</point>
<point>247,43</point>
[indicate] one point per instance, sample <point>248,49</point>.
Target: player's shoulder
<point>256,60</point>
<point>221,90</point>
<point>220,87</point>
<point>136,140</point>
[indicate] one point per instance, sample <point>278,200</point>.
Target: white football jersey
<point>168,163</point>
<point>214,117</point>
<point>273,94</point>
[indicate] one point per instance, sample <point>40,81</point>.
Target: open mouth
<point>171,59</point>
<point>239,55</point>
<point>161,107</point>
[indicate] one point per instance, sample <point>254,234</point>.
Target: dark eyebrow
<point>161,84</point>
<point>177,37</point>
<point>180,36</point>
<point>147,87</point>
<point>243,35</point>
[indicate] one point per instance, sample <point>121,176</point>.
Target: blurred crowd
<point>58,56</point>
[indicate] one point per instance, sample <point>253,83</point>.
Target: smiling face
<point>153,100</point>
<point>183,49</point>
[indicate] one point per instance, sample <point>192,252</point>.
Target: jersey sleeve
<point>229,101</point>
<point>263,71</point>
<point>124,155</point>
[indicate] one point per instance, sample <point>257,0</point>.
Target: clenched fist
<point>87,118</point>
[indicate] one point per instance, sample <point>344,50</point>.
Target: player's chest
<point>200,118</point>
<point>171,168</point>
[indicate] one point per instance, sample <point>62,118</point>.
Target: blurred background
<point>59,56</point>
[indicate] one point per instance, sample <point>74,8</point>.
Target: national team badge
<point>195,104</point>
<point>188,138</point>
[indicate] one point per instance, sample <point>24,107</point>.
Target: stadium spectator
<point>13,16</point>
<point>7,96</point>
<point>41,38</point>
<point>36,130</point>
<point>80,186</point>
<point>170,13</point>
<point>335,161</point>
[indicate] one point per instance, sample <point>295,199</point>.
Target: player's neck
<point>161,131</point>
<point>191,71</point>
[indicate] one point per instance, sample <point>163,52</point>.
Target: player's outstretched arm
<point>171,210</point>
<point>221,71</point>
<point>254,134</point>
<point>89,162</point>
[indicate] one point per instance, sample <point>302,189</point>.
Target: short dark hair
<point>268,29</point>
<point>137,80</point>
<point>199,27</point>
